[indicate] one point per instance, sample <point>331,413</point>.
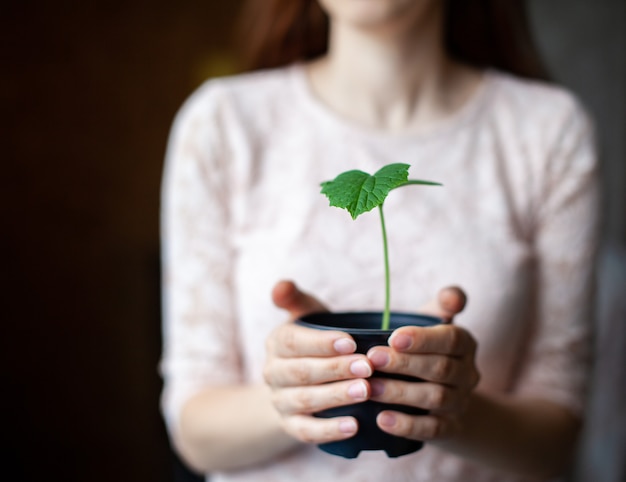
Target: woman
<point>515,227</point>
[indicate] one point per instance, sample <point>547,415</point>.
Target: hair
<point>482,33</point>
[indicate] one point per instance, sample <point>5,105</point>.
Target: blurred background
<point>88,93</point>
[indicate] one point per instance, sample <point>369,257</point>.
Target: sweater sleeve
<point>566,239</point>
<point>200,346</point>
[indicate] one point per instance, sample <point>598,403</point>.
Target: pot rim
<point>410,319</point>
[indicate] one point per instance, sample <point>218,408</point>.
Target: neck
<point>392,77</point>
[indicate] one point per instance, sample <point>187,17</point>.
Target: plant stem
<point>386,313</point>
<point>419,182</point>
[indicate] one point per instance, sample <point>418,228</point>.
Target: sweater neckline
<point>464,115</point>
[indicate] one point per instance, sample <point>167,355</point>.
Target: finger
<point>312,430</point>
<point>448,370</point>
<point>297,372</point>
<point>420,427</point>
<point>450,301</point>
<point>287,296</point>
<point>440,339</point>
<point>289,340</point>
<point>315,398</point>
<point>429,396</point>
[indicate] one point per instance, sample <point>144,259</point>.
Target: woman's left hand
<point>442,356</point>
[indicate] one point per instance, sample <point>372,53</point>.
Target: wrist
<point>533,437</point>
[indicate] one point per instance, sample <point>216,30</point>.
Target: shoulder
<point>245,93</point>
<point>253,84</point>
<point>537,116</point>
<point>547,126</point>
<point>538,104</point>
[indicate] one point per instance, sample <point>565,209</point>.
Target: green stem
<point>419,182</point>
<point>386,313</point>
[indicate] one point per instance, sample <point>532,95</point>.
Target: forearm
<point>230,427</point>
<point>534,437</point>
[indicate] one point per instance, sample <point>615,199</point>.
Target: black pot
<point>364,327</point>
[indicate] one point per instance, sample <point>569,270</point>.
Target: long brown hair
<point>482,33</point>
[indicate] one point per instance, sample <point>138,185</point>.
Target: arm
<point>530,436</point>
<point>215,421</point>
<point>210,411</point>
<point>536,437</point>
<point>230,427</point>
<point>532,429</point>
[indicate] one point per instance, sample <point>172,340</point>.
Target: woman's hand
<point>442,356</point>
<point>311,370</point>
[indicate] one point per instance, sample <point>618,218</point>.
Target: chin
<point>376,13</point>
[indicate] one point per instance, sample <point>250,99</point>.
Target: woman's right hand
<point>311,370</point>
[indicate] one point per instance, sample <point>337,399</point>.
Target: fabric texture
<point>514,224</point>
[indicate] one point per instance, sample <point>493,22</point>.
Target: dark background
<point>88,92</point>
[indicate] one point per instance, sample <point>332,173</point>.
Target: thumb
<point>287,296</point>
<point>450,301</point>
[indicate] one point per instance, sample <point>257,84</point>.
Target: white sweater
<point>514,225</point>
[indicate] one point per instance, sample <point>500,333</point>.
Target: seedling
<point>359,192</point>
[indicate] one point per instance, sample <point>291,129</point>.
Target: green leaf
<point>360,192</point>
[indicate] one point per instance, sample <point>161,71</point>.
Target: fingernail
<point>348,426</point>
<point>400,341</point>
<point>378,358</point>
<point>361,368</point>
<point>344,346</point>
<point>358,391</point>
<point>387,419</point>
<point>377,388</point>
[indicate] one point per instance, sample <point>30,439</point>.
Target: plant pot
<point>364,328</point>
